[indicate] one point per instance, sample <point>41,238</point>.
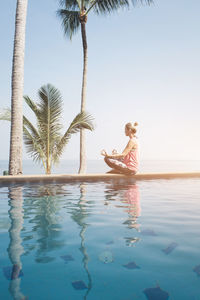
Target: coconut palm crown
<point>73,14</point>
<point>45,143</point>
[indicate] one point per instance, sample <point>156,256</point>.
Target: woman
<point>127,162</point>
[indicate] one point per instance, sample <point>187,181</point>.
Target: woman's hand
<point>114,152</point>
<point>103,152</point>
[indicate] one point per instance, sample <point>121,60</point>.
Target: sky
<point>143,65</point>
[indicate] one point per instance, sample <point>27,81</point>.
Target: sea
<point>99,166</point>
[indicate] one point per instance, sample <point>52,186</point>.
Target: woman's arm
<point>128,148</point>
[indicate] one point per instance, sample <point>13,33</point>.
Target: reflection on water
<point>46,228</point>
<point>41,206</point>
<point>79,215</point>
<point>15,248</point>
<point>129,197</point>
<point>130,200</point>
<point>75,240</point>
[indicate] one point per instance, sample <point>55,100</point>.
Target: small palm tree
<point>46,143</point>
<point>74,15</point>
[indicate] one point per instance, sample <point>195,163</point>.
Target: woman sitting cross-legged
<point>128,161</point>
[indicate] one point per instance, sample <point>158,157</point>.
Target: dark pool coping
<point>56,178</point>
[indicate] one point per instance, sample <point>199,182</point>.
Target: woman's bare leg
<point>119,166</point>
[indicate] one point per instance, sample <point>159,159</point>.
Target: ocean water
<point>119,240</point>
<point>99,166</point>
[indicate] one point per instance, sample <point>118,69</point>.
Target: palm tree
<point>46,143</point>
<point>74,15</point>
<point>16,132</point>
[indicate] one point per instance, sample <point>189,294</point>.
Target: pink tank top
<point>132,158</point>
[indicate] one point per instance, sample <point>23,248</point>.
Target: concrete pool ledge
<point>56,178</point>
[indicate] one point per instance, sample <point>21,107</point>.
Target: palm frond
<point>50,107</point>
<point>33,147</point>
<point>33,106</point>
<point>40,142</point>
<point>82,121</point>
<point>30,138</point>
<point>70,4</point>
<point>5,114</point>
<point>108,6</point>
<point>50,104</point>
<point>142,2</point>
<point>30,127</point>
<point>70,21</point>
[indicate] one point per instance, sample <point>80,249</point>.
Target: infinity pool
<point>101,241</point>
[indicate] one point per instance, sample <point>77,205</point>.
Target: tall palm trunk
<point>16,133</point>
<point>82,167</point>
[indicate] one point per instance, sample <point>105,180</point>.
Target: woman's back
<point>132,158</point>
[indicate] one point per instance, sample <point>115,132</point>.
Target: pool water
<point>117,240</point>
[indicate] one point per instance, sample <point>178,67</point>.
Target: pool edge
<point>92,177</point>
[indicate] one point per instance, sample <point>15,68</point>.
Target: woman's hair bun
<point>135,124</point>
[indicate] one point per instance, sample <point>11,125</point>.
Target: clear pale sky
<point>143,65</point>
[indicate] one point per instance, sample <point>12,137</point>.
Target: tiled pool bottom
<point>101,241</point>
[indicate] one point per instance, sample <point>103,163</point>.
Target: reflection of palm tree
<point>79,216</point>
<point>15,249</point>
<point>44,202</point>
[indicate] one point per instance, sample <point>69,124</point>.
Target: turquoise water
<point>97,241</point>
